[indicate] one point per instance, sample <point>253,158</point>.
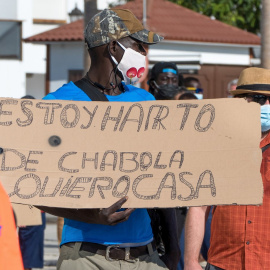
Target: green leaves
<point>244,14</point>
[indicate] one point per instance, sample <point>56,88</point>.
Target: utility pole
<point>144,13</point>
<point>265,32</point>
<point>90,9</point>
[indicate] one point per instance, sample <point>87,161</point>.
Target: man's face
<point>233,87</point>
<point>118,48</point>
<point>131,43</point>
<point>167,78</point>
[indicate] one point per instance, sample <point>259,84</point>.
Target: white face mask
<point>199,96</point>
<point>132,65</point>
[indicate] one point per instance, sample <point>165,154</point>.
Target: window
<point>11,39</point>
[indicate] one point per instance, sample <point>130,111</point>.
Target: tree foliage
<point>244,14</point>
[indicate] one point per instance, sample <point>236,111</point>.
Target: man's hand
<point>105,216</point>
<point>109,216</point>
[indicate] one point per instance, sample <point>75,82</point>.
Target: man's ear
<point>112,47</point>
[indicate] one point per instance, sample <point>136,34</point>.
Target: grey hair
<point>232,82</point>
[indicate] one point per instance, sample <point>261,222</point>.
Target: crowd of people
<point>166,238</point>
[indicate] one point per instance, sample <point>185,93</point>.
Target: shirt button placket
<point>249,237</point>
<point>249,222</point>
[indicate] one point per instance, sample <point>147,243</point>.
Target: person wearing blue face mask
<point>263,100</point>
<point>239,234</point>
<point>259,93</point>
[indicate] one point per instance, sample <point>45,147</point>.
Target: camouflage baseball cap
<point>114,24</point>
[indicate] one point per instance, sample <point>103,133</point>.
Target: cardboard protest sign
<point>27,215</point>
<point>158,153</point>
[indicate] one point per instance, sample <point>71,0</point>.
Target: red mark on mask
<point>132,72</point>
<point>140,72</point>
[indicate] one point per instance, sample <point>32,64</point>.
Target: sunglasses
<point>261,99</point>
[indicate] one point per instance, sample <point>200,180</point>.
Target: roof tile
<point>172,21</point>
<point>68,32</point>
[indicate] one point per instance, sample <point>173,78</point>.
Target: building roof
<point>68,32</point>
<point>170,20</point>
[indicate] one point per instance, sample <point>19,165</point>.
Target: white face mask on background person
<point>265,117</point>
<point>132,65</point>
<point>199,96</point>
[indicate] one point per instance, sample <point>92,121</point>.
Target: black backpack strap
<point>92,92</point>
<point>265,147</point>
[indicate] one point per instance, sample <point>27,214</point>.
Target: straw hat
<point>253,80</point>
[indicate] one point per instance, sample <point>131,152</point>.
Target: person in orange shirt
<point>240,235</point>
<point>10,254</point>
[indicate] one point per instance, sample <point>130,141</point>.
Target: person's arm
<point>169,237</point>
<point>194,233</point>
<point>106,216</point>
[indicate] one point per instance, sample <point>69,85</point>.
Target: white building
<point>208,49</point>
<point>23,65</point>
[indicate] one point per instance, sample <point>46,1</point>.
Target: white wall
<point>35,85</point>
<point>199,53</point>
<point>12,79</point>
<point>34,56</point>
<point>8,9</point>
<point>13,72</point>
<point>40,28</point>
<point>50,9</point>
<point>101,4</point>
<point>64,57</point>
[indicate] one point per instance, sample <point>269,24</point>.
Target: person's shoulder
<point>68,91</point>
<point>142,93</point>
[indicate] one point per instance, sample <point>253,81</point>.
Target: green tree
<point>244,14</point>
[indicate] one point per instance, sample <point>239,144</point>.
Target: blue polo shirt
<point>137,229</point>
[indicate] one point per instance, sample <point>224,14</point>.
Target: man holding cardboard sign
<point>240,235</point>
<point>113,237</point>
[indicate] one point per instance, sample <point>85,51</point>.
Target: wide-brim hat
<point>253,81</point>
<point>114,24</point>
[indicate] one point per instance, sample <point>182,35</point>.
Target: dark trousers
<point>32,244</point>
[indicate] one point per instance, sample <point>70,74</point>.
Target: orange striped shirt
<point>240,235</point>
